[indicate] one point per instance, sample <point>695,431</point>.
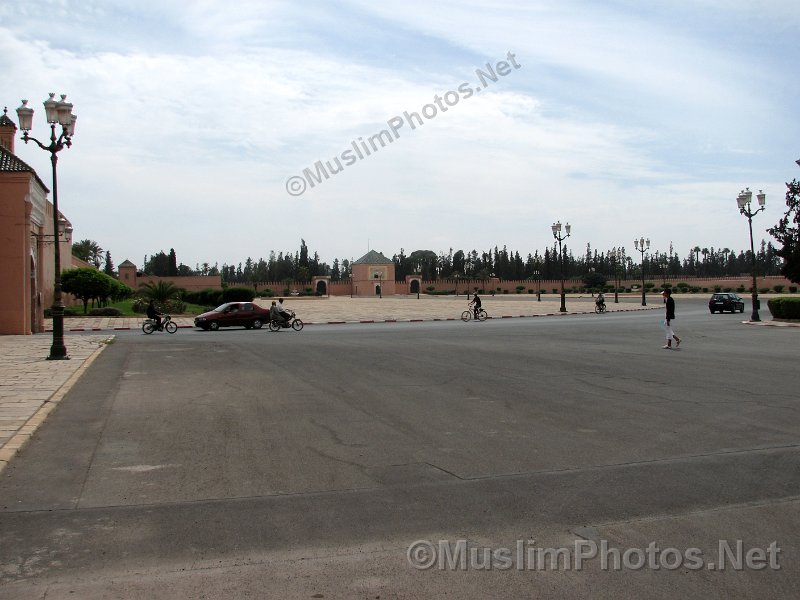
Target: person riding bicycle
<point>601,300</point>
<point>476,303</point>
<point>153,314</point>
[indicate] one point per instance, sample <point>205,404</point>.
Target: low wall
<point>462,286</point>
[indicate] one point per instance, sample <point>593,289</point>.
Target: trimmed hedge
<point>784,307</point>
<point>105,312</point>
<point>69,311</point>
<point>238,294</point>
<point>206,297</point>
<point>172,307</point>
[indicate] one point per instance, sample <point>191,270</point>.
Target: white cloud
<point>616,121</point>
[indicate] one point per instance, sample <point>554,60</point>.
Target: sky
<point>461,124</point>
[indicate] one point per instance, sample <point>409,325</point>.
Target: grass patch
<point>126,308</point>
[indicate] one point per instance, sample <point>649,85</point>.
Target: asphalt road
<point>303,465</point>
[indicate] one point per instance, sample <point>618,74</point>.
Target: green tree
<point>172,267</point>
<point>787,232</point>
<point>108,269</point>
<point>88,284</point>
<point>594,280</point>
<point>158,265</point>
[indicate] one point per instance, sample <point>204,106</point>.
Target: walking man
<point>670,316</point>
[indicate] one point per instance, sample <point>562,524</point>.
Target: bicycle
<point>469,314</point>
<point>149,325</point>
<point>600,308</point>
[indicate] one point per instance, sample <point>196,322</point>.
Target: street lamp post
<point>743,200</point>
<point>538,276</point>
<point>56,112</point>
<point>640,246</point>
<point>556,227</point>
<point>616,260</point>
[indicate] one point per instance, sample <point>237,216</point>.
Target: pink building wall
<point>129,276</point>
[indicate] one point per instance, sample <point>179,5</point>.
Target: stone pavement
<point>31,386</point>
<point>343,309</point>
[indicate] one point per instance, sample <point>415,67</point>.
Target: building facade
<point>27,257</point>
<point>373,275</point>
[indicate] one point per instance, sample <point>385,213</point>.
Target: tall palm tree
<point>88,250</point>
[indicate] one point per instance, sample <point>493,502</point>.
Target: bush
<point>173,307</point>
<point>784,307</point>
<point>69,311</point>
<point>520,289</point>
<point>105,312</point>
<point>206,297</point>
<point>238,294</point>
<point>267,293</point>
<point>717,288</point>
<point>705,290</point>
<point>683,286</point>
<point>740,289</point>
<point>792,289</point>
<point>649,285</point>
<point>727,289</point>
<point>778,288</point>
<point>763,290</point>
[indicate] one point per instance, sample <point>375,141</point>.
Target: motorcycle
<point>149,325</point>
<point>293,322</point>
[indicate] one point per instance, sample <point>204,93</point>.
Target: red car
<point>230,314</point>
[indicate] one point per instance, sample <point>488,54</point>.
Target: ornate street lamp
<point>538,276</point>
<point>57,112</point>
<point>64,232</point>
<point>640,246</point>
<point>556,227</point>
<point>743,201</point>
<point>616,256</point>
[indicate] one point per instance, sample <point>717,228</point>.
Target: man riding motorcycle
<point>282,317</point>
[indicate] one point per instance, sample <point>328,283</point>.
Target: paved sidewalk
<point>343,309</point>
<point>31,386</point>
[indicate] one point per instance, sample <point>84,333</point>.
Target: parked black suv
<point>725,301</point>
